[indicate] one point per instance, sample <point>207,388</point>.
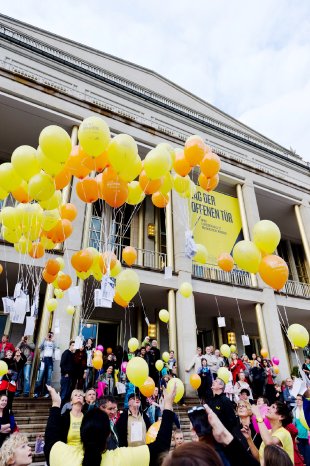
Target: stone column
<point>172,323</point>
<point>303,220</point>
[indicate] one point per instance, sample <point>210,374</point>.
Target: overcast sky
<point>251,59</point>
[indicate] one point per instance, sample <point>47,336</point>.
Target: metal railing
<point>235,277</point>
<point>297,289</point>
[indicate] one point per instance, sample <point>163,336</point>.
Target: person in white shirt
<point>211,360</point>
<point>196,361</point>
<point>47,357</point>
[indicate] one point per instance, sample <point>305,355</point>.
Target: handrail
<point>236,277</point>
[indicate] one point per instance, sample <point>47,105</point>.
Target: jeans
<point>304,449</point>
<point>44,375</point>
<point>27,372</point>
<point>65,389</point>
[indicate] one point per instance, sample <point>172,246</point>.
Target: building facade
<point>46,79</point>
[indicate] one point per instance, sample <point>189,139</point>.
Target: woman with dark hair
<point>193,454</point>
<point>7,421</point>
<point>95,430</point>
<point>279,417</point>
<point>270,391</point>
<point>276,456</point>
<point>236,366</point>
<point>204,391</point>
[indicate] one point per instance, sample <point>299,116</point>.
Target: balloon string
<point>240,316</point>
<point>217,305</point>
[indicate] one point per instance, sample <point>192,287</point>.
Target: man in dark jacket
<point>132,425</point>
<point>222,406</point>
<point>67,369</point>
<point>108,404</point>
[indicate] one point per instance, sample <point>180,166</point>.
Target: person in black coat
<point>257,378</point>
<point>67,370</point>
<point>223,407</point>
<point>123,423</point>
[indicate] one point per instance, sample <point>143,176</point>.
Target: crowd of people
<point>100,418</point>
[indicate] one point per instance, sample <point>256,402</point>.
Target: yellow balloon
<point>135,193</point>
<point>70,310</point>
<point>201,255</point>
<point>159,364</point>
<point>298,335</point>
<point>167,147</point>
<point>50,219</point>
<point>34,231</point>
<point>133,344</point>
<point>190,192</point>
<point>116,269</point>
<point>41,187</point>
<point>50,166</point>
<point>47,243</point>
<point>152,432</point>
<point>130,173</point>
<point>23,246</point>
<point>180,388</point>
<point>94,135</point>
<point>59,294</point>
<point>165,356</point>
<point>247,256</point>
<point>225,351</point>
<point>122,152</point>
<point>25,162</point>
<point>83,275</point>
<point>266,236</point>
<point>30,215</point>
<point>137,371</point>
<point>233,348</point>
<point>3,368</point>
<point>127,284</point>
<point>10,217</point>
<point>167,184</point>
<point>51,304</point>
<point>55,143</point>
<point>9,178</point>
<point>186,289</point>
<point>53,202</point>
<point>61,262</point>
<point>181,183</point>
<point>223,374</point>
<point>11,236</point>
<point>97,274</point>
<point>164,315</point>
<point>157,163</point>
<point>3,194</point>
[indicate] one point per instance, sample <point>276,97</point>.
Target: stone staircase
<point>31,417</point>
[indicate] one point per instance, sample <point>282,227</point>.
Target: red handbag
<point>5,385</point>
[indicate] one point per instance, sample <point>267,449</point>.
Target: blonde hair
<point>7,451</point>
<point>76,392</point>
<point>248,406</point>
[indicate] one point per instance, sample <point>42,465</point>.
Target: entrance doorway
<point>106,334</point>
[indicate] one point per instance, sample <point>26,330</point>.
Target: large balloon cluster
<point>257,255</point>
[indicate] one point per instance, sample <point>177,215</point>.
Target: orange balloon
<point>109,350</point>
<point>181,164</point>
<point>87,190</point>
<point>48,277</point>
<point>149,186</point>
<point>129,255</point>
<point>225,262</point>
<point>264,353</point>
<point>194,150</point>
<point>208,184</point>
<point>52,267</point>
<point>75,163</point>
<point>62,179</point>
<point>1,269</point>
<point>97,163</point>
<point>68,211</point>
<point>98,179</point>
<point>61,231</point>
<point>274,271</point>
<point>114,189</point>
<point>195,381</point>
<point>147,389</point>
<point>276,369</point>
<point>21,195</point>
<point>119,300</point>
<point>106,259</point>
<point>37,250</point>
<point>82,260</point>
<point>210,164</point>
<point>64,282</point>
<point>160,200</point>
<point>97,363</point>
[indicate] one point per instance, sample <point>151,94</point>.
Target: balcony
<point>300,289</point>
<point>236,277</point>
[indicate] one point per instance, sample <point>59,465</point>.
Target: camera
<point>199,419</point>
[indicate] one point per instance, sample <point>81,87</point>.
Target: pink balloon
<point>275,361</point>
<point>100,348</point>
<point>124,366</point>
<point>263,410</point>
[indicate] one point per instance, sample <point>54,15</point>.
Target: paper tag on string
<point>57,354</point>
<point>26,297</point>
<point>147,321</point>
<point>100,301</point>
<point>107,289</point>
<point>168,272</point>
<point>35,305</point>
<point>17,290</point>
<point>221,322</point>
<point>30,323</point>
<point>18,314</point>
<point>245,340</point>
<point>190,245</point>
<point>74,294</point>
<point>78,343</point>
<point>8,305</point>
